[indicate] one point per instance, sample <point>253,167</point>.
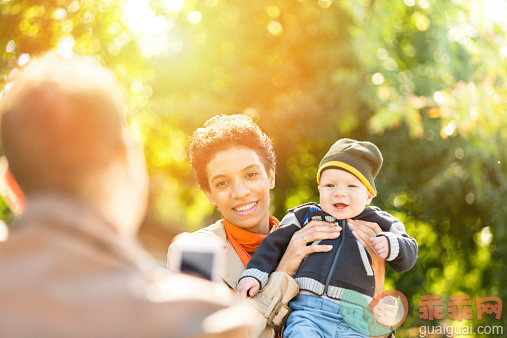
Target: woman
<point>235,166</point>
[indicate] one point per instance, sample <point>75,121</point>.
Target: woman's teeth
<point>246,207</point>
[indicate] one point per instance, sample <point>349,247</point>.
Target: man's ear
<point>118,157</point>
<point>271,178</point>
<point>121,151</point>
<point>209,196</point>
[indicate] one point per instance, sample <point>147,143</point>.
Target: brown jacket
<point>65,271</point>
<point>271,302</point>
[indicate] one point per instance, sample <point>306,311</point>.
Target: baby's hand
<point>248,287</point>
<point>380,245</point>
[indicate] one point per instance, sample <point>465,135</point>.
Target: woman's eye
<point>252,174</point>
<point>220,184</point>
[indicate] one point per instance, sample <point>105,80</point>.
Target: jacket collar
<point>233,267</point>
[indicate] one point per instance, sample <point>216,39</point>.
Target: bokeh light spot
<point>11,46</point>
<point>377,79</point>
<point>141,19</point>
<point>23,59</point>
<point>173,5</point>
<point>87,18</point>
<point>390,63</point>
<point>24,25</point>
<point>424,4</point>
<point>273,11</point>
<point>382,54</point>
<point>194,17</point>
<point>486,236</point>
<point>275,28</point>
<point>74,6</point>
<point>136,86</point>
<point>459,153</point>
<point>59,14</point>
<point>65,47</point>
<point>147,92</point>
<point>449,129</point>
<point>325,3</point>
<point>421,21</point>
<point>94,46</point>
<point>114,28</point>
<point>438,97</point>
<point>114,49</point>
<point>252,112</point>
<point>67,26</point>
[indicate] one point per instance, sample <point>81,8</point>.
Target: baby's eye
<point>329,185</point>
<point>352,186</point>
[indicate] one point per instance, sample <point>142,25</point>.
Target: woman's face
<point>239,187</point>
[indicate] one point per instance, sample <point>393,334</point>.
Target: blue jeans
<point>314,316</point>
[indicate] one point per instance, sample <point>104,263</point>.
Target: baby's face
<point>342,194</point>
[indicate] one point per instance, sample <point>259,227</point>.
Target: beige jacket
<point>270,303</point>
<point>65,271</point>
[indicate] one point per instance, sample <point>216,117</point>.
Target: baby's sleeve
<point>403,248</point>
<point>266,258</point>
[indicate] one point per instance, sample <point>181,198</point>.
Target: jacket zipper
<point>333,267</point>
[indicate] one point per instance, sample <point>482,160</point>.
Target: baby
<point>335,285</point>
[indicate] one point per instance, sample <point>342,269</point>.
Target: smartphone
<point>202,259</point>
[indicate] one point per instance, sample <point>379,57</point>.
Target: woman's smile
<point>245,208</point>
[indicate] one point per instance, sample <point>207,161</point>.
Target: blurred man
<point>71,265</point>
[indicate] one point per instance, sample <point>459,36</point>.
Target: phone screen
<point>197,263</point>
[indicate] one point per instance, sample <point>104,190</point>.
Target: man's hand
<point>248,287</point>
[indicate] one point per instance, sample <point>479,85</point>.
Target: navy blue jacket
<point>347,266</point>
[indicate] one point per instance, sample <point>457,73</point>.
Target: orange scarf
<point>245,242</point>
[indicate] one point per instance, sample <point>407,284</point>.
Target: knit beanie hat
<point>361,158</point>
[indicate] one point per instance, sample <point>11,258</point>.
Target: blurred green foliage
<point>424,80</point>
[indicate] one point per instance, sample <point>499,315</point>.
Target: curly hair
<point>222,132</point>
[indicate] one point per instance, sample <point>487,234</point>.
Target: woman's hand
<point>364,232</point>
<point>297,249</point>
